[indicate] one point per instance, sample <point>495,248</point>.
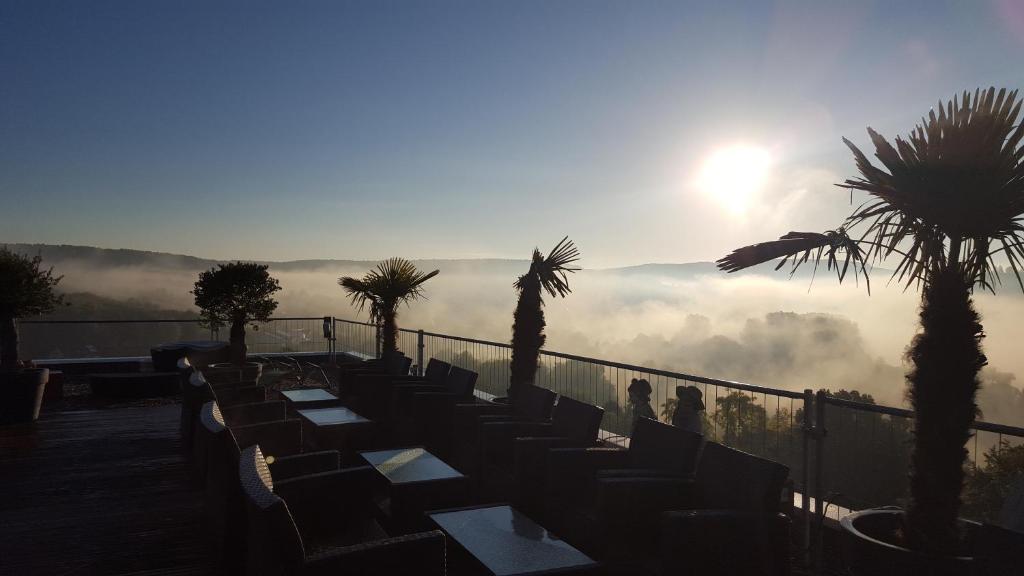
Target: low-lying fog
<point>761,328</point>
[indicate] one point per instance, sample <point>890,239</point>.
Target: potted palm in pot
<point>546,274</point>
<point>393,282</point>
<point>26,289</point>
<point>237,294</point>
<point>946,202</point>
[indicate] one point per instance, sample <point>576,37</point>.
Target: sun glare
<point>734,174</point>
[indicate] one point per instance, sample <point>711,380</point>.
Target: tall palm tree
<point>393,282</point>
<point>545,274</point>
<point>949,199</point>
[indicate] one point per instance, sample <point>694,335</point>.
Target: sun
<point>734,174</point>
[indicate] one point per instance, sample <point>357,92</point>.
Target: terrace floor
<point>99,491</point>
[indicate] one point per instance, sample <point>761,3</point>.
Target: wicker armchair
<point>222,445</point>
<point>579,488</point>
<point>531,404</point>
<point>279,540</point>
<point>416,408</point>
<point>513,453</point>
<point>733,503</point>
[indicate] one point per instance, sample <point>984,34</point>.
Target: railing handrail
<point>165,321</point>
<point>904,413</point>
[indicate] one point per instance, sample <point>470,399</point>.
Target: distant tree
<point>545,274</point>
<point>25,290</point>
<point>237,293</point>
<point>393,282</point>
<point>989,485</point>
<point>949,199</point>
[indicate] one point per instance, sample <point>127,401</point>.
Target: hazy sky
<point>297,130</point>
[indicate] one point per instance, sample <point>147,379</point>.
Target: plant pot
<point>226,372</point>
<point>21,395</point>
<point>868,548</point>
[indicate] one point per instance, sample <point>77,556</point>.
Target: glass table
<point>415,480</point>
<point>335,428</point>
<point>507,543</point>
<point>307,398</point>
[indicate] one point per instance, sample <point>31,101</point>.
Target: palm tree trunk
<point>8,344</point>
<point>946,357</point>
<point>389,333</point>
<point>238,347</point>
<point>527,337</point>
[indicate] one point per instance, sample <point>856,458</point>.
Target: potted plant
<point>545,274</point>
<point>392,282</point>
<point>25,290</point>
<point>237,293</point>
<point>948,200</point>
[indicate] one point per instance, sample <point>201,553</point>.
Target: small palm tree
<point>546,274</point>
<point>392,282</point>
<point>949,199</point>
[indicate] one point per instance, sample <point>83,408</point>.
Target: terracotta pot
<point>21,395</point>
<point>866,550</point>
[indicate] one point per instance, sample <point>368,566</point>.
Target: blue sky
<point>295,130</point>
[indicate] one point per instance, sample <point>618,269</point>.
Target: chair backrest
<point>731,479</point>
<point>221,457</point>
<point>1011,515</point>
<point>533,402</point>
<point>273,541</point>
<point>577,420</point>
<point>461,381</point>
<point>398,364</point>
<point>437,371</point>
<point>656,445</point>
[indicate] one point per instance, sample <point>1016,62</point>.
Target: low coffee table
<point>308,398</point>
<point>335,428</point>
<point>507,543</point>
<point>415,480</point>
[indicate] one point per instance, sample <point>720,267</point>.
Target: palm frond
<point>551,271</point>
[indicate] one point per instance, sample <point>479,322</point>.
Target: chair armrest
<point>571,471</point>
<point>497,438</point>
<point>319,501</point>
<point>625,503</point>
<point>285,467</point>
<point>254,413</point>
<point>278,438</point>
<point>530,455</point>
<point>422,553</point>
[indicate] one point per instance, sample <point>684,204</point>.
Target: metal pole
<point>419,353</point>
<point>819,476</point>
<point>805,480</point>
<point>376,340</point>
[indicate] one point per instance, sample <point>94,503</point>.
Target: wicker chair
<point>279,541</point>
<point>531,404</point>
<point>221,445</point>
<point>733,503</point>
<point>416,408</point>
<point>577,498</point>
<point>513,453</point>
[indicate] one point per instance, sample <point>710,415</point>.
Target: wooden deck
<point>99,492</point>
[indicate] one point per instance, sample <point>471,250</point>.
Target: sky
<point>646,131</point>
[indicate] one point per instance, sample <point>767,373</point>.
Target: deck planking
<point>102,491</point>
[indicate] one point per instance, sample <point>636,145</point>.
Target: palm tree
<point>392,282</point>
<point>949,199</point>
<point>546,274</point>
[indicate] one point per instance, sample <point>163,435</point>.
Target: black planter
<point>866,551</point>
<point>21,395</point>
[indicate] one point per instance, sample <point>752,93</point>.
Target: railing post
<point>419,353</point>
<point>819,476</point>
<point>805,480</point>
<point>376,341</point>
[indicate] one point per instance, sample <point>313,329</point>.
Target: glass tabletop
<point>308,395</point>
<point>507,542</point>
<point>331,416</point>
<point>409,465</point>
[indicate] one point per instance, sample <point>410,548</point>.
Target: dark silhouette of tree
<point>383,289</point>
<point>545,274</point>
<point>25,290</point>
<point>237,293</point>
<point>950,198</point>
